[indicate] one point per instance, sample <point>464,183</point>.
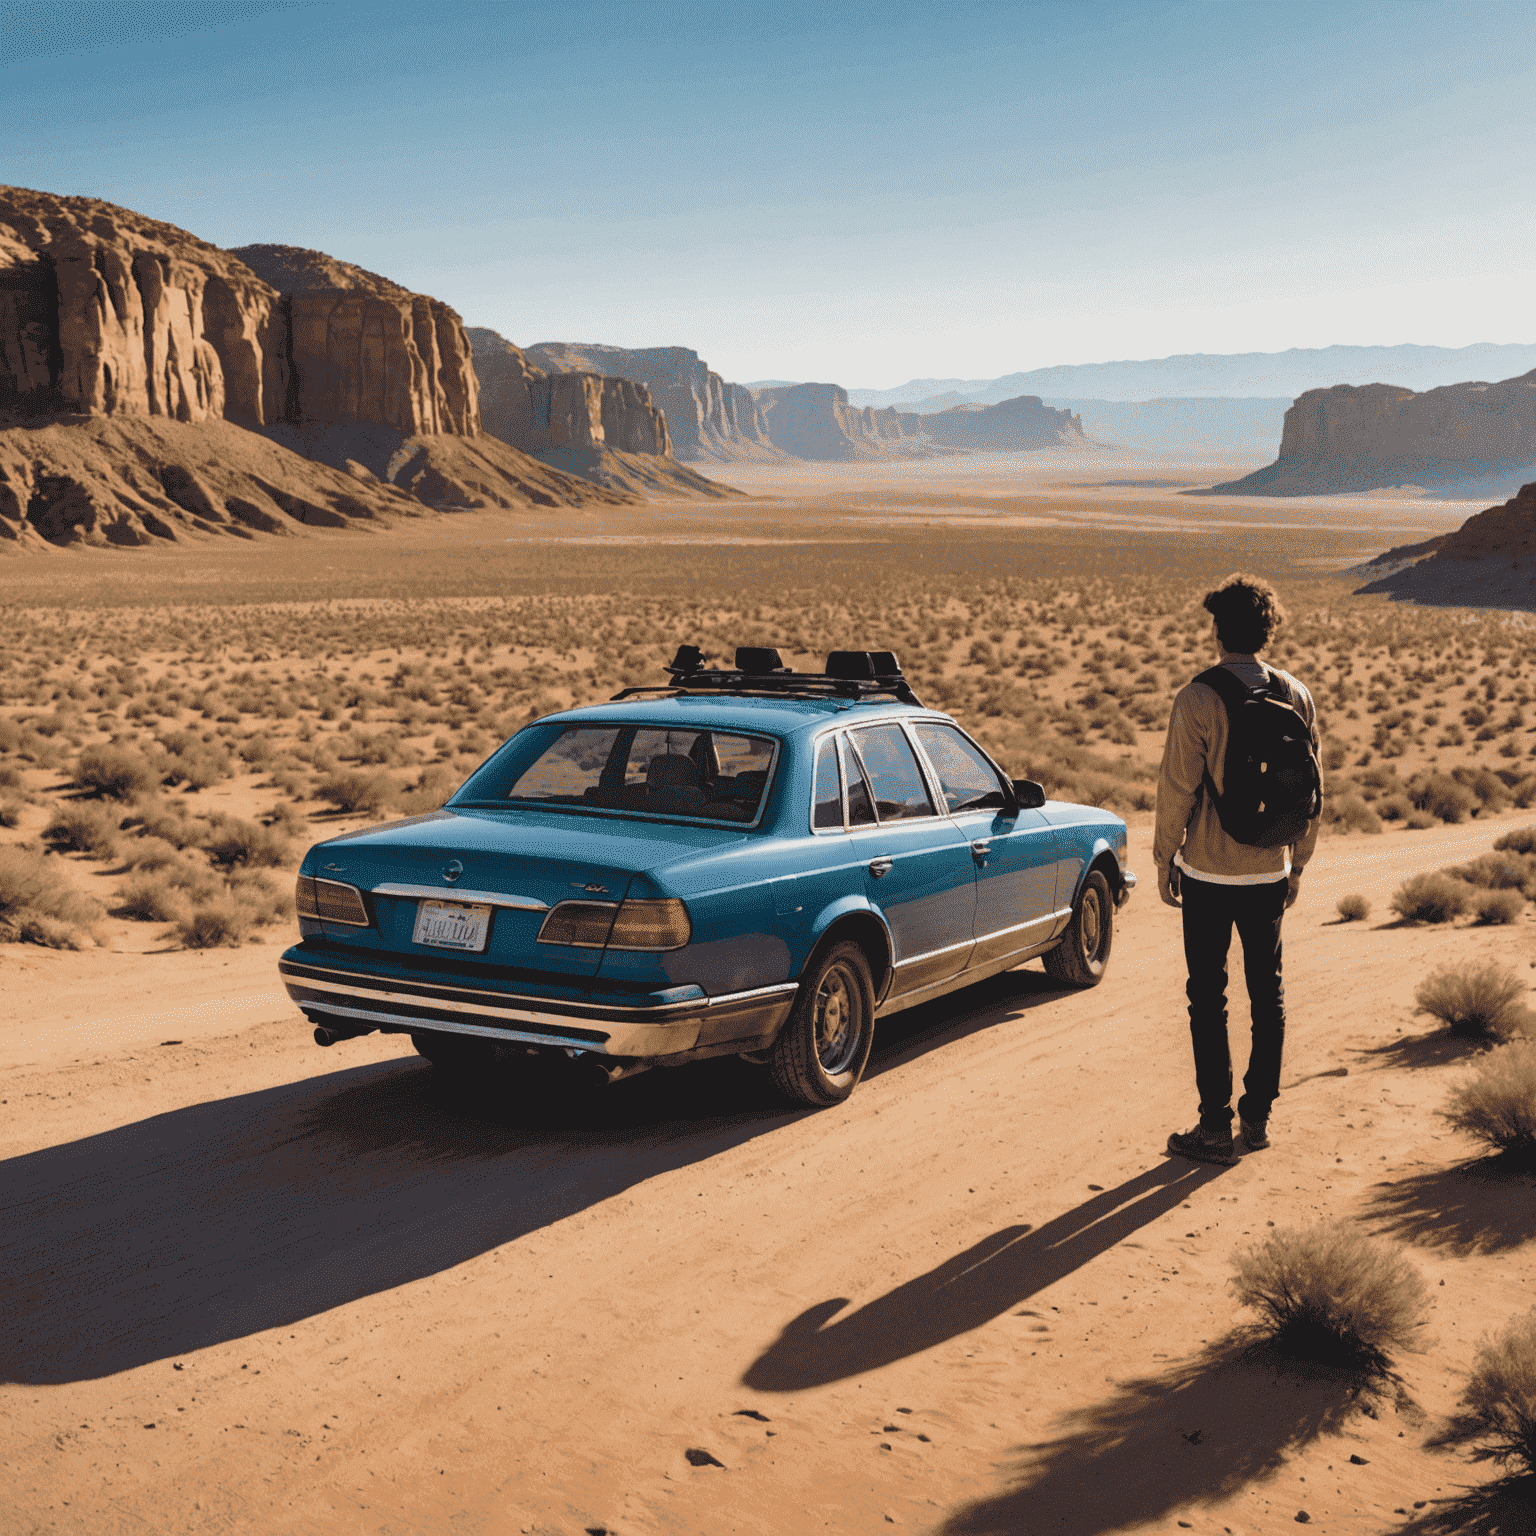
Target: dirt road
<point>250,1285</point>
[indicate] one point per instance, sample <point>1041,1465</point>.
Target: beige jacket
<point>1189,832</point>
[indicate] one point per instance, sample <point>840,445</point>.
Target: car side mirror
<point>1031,796</point>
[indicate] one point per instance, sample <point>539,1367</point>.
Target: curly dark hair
<point>1247,612</point>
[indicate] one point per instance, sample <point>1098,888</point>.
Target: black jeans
<point>1210,910</point>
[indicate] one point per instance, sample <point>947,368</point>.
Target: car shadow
<point>1484,1206</point>
<point>225,1218</point>
<point>1196,1433</point>
<point>971,1289</point>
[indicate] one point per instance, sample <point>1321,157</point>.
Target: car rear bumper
<point>647,1029</point>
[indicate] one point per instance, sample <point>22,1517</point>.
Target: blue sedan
<point>747,861</point>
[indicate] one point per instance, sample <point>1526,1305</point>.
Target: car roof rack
<point>854,675</point>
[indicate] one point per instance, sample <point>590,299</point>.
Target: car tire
<point>1082,957</point>
<point>461,1055</point>
<point>820,1053</point>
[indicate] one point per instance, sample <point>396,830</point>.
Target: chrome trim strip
<point>290,972</point>
<point>374,1015</point>
<point>741,997</point>
<point>983,938</point>
<point>469,898</point>
<point>324,990</point>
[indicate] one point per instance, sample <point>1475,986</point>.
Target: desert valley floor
<point>250,1285</point>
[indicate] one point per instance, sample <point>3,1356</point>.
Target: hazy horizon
<point>840,192</point>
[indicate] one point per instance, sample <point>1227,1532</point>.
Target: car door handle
<point>879,868</point>
<point>980,850</point>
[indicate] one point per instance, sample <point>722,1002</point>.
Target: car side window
<point>861,806</point>
<point>897,781</point>
<point>969,782</point>
<point>827,790</point>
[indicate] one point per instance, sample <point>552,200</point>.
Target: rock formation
<point>815,421</point>
<point>1359,439</point>
<point>1490,561</point>
<point>109,317</point>
<point>1024,423</point>
<point>707,417</point>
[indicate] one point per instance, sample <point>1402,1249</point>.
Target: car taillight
<point>581,924</point>
<point>651,925</point>
<point>642,925</point>
<point>330,901</point>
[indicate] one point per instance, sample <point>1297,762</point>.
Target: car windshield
<point>715,775</point>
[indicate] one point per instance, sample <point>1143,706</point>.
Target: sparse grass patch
<point>1501,1394</point>
<point>1353,908</point>
<point>1331,1294</point>
<point>38,905</point>
<point>1478,1000</point>
<point>1430,898</point>
<point>1497,1105</point>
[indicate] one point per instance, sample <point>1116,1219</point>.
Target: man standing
<point>1216,780</point>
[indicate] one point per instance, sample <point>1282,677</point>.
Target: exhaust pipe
<point>329,1034</point>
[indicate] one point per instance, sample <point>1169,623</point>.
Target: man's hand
<point>1292,888</point>
<point>1168,885</point>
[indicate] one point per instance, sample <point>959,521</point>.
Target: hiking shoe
<point>1255,1134</point>
<point>1203,1146</point>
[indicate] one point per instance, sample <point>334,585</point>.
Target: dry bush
<point>1441,796</point>
<point>1521,840</point>
<point>1418,821</point>
<point>266,899</point>
<point>1349,812</point>
<point>87,827</point>
<point>1497,872</point>
<point>168,822</point>
<point>119,773</point>
<point>150,852</point>
<point>286,821</point>
<point>1329,1293</point>
<point>11,812</point>
<point>1479,1000</point>
<point>220,923</point>
<point>1497,1106</point>
<point>429,791</point>
<point>231,842</point>
<point>1496,907</point>
<point>1353,908</point>
<point>353,791</point>
<point>1430,898</point>
<point>1500,1395</point>
<point>151,897</point>
<point>194,762</point>
<point>38,905</point>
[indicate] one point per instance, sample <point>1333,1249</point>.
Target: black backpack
<point>1273,784</point>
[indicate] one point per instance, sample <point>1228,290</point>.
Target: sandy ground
<point>256,1287</point>
<point>249,1285</point>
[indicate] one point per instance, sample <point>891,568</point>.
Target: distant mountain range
<point>1268,374</point>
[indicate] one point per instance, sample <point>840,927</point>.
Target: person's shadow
<point>1197,1433</point>
<point>971,1289</point>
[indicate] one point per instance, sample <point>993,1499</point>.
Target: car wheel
<point>458,1054</point>
<point>1082,957</point>
<point>821,1051</point>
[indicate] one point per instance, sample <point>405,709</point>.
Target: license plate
<point>452,925</point>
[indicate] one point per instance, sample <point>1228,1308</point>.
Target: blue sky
<point>864,193</point>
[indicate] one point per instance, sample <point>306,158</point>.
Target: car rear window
<point>715,775</point>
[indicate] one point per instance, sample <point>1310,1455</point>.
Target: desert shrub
<point>1495,907</point>
<point>292,782</point>
<point>231,841</point>
<point>266,899</point>
<point>1497,1105</point>
<point>1430,898</point>
<point>1497,872</point>
<point>429,791</point>
<point>1500,1396</point>
<point>11,812</point>
<point>1353,908</point>
<point>194,762</point>
<point>1350,812</point>
<point>216,924</point>
<point>1479,1000</point>
<point>1394,807</point>
<point>353,791</point>
<point>1521,840</point>
<point>151,897</point>
<point>1418,821</point>
<point>1329,1293</point>
<point>119,773</point>
<point>257,750</point>
<point>87,827</point>
<point>151,853</point>
<point>38,905</point>
<point>167,822</point>
<point>286,821</point>
<point>1442,797</point>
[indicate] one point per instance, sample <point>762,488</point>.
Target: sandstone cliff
<point>1360,438</point>
<point>107,316</point>
<point>1023,423</point>
<point>707,417</point>
<point>1490,561</point>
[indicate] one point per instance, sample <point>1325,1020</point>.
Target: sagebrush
<point>1497,1104</point>
<point>1500,1396</point>
<point>1476,999</point>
